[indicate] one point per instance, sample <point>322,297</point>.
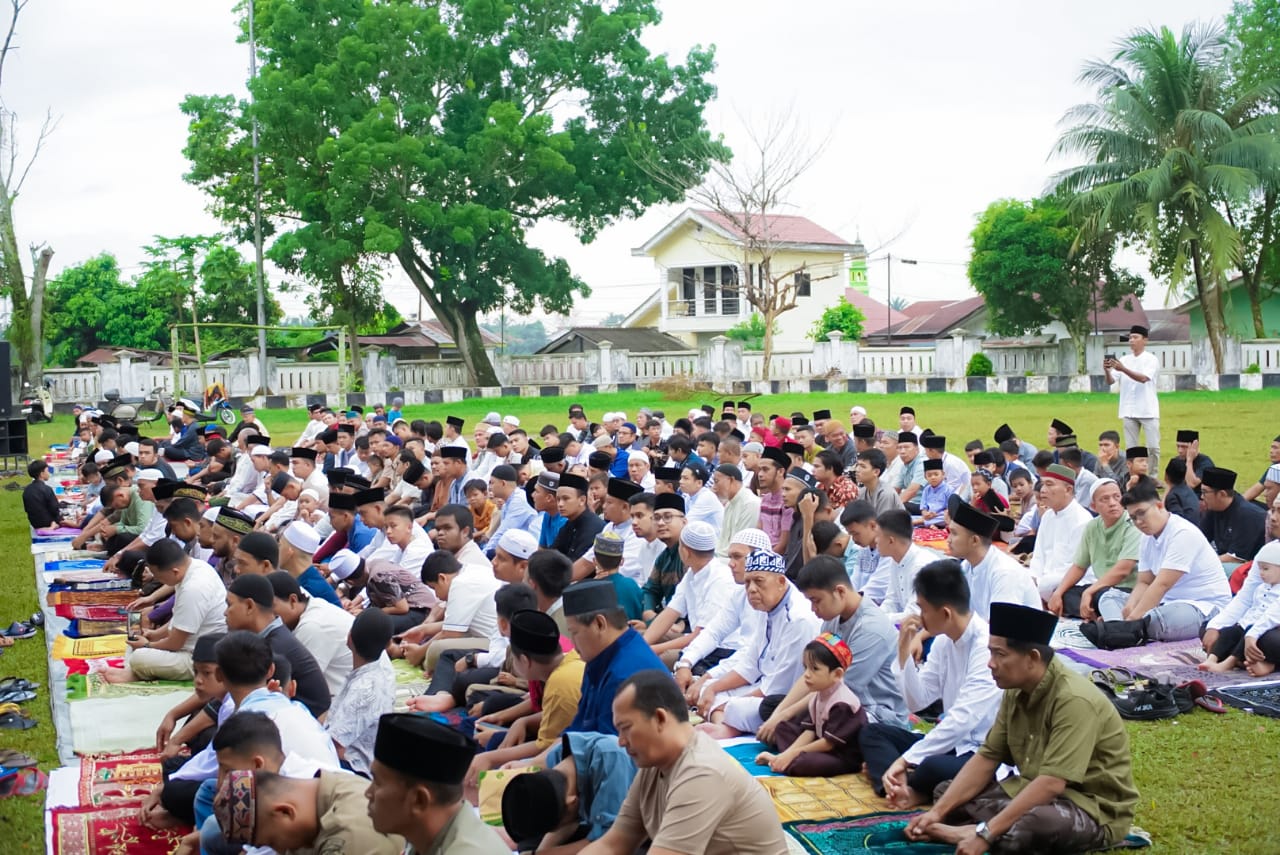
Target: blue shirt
<point>935,499</point>
<point>517,514</point>
<point>314,584</point>
<point>627,655</point>
<point>550,529</point>
<point>618,469</point>
<point>360,535</point>
<point>605,772</point>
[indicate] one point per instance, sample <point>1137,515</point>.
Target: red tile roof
<point>878,315</point>
<point>782,228</point>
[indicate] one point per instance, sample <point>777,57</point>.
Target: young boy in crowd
<point>482,509</point>
<point>608,558</point>
<point>934,496</point>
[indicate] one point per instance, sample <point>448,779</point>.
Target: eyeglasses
<point>668,517</point>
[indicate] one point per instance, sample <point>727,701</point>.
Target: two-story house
<point>700,260</point>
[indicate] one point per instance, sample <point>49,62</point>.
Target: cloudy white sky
<point>931,111</point>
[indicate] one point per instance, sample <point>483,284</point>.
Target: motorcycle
<point>37,404</point>
<point>138,411</point>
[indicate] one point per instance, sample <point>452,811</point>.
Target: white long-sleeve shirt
<point>1256,607</point>
<point>898,578</point>
<point>244,478</point>
<point>732,627</point>
<point>702,594</point>
<point>705,507</point>
<point>999,578</point>
<point>771,662</point>
<point>1056,542</point>
<point>955,672</point>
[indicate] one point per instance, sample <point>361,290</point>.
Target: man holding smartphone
<point>1136,373</point>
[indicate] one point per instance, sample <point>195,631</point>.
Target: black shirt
<point>1239,530</point>
<point>1184,502</point>
<point>578,535</point>
<point>41,504</point>
<point>313,691</point>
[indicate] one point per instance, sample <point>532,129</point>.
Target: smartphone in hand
<point>135,625</point>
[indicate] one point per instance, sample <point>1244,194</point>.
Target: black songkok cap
<point>621,488</point>
<point>416,746</point>
<point>454,452</point>
<point>298,453</point>
<point>342,502</point>
<point>372,496</point>
<point>1060,426</point>
<point>669,502</point>
<point>1216,478</point>
<point>1022,623</point>
<point>667,474</point>
<point>1183,436</point>
<point>534,632</point>
<point>967,516</point>
<point>577,482</point>
<point>552,454</point>
<point>1003,433</point>
<point>590,596</point>
<point>935,441</point>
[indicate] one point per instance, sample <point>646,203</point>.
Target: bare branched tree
<point>26,327</point>
<point>750,193</point>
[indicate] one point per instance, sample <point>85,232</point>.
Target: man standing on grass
<point>1136,372</point>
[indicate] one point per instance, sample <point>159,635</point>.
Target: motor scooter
<point>37,403</point>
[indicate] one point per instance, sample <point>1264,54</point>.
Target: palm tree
<point>1168,148</point>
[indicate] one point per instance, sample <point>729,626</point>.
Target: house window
<point>729,290</point>
<point>803,286</point>
<point>709,291</point>
<point>688,293</point>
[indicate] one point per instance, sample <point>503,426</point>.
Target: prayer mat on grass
<point>113,778</point>
<point>70,612</point>
<point>109,830</point>
<point>745,753</point>
<point>876,832</point>
<point>1261,698</point>
<point>90,598</point>
<point>84,686</point>
<point>1167,660</point>
<point>101,725</point>
<point>821,798</point>
<point>86,628</point>
<point>88,648</point>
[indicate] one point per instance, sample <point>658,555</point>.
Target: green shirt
<point>668,570</point>
<point>1101,547</point>
<point>136,515</point>
<point>1067,729</point>
<point>466,834</point>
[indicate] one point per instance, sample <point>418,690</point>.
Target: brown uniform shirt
<point>706,803</point>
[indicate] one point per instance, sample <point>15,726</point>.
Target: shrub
<point>750,332</point>
<point>1254,368</point>
<point>980,366</point>
<point>843,316</point>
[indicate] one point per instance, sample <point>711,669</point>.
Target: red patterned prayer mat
<point>115,778</point>
<point>109,830</point>
<point>115,613</point>
<point>91,598</point>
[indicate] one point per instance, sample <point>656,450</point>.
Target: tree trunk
<point>1210,306</point>
<point>13,284</point>
<point>1254,286</point>
<point>767,355</point>
<point>462,325</point>
<point>40,272</point>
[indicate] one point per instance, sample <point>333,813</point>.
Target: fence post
<point>605,354</point>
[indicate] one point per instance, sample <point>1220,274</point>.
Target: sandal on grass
<point>16,721</point>
<point>11,759</point>
<point>10,683</point>
<point>18,629</point>
<point>23,782</point>
<point>17,696</point>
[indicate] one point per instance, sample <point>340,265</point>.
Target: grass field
<point>1206,781</point>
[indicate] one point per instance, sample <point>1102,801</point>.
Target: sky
<point>926,112</point>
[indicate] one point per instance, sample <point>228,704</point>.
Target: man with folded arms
<point>1236,528</point>
<point>1073,791</point>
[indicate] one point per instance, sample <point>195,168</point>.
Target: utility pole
<point>888,309</point>
<point>263,386</point>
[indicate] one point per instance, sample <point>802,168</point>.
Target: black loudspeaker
<point>13,437</point>
<point>6,383</point>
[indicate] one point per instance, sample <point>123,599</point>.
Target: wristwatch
<point>680,665</point>
<point>985,832</point>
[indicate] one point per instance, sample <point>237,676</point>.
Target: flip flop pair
<point>1200,697</point>
<point>22,782</point>
<point>18,629</point>
<point>11,759</point>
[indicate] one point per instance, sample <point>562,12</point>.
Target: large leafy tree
<point>228,295</point>
<point>1253,60</point>
<point>438,133</point>
<point>1167,145</point>
<point>1031,267</point>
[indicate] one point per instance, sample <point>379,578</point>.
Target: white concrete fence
<point>722,363</point>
